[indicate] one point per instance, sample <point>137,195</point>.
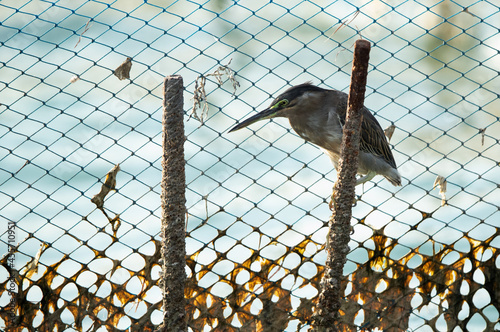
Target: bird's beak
<point>265,114</point>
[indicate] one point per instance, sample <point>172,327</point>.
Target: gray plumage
<point>318,116</point>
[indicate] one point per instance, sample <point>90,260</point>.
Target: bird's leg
<point>333,203</point>
<point>359,181</point>
<point>366,178</point>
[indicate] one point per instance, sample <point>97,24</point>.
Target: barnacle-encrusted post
<point>332,294</point>
<point>173,205</point>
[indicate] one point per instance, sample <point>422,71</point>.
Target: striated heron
<point>318,116</point>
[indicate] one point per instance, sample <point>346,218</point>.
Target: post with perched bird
<point>173,205</point>
<point>332,293</point>
<point>354,142</point>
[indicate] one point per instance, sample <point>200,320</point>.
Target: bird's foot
<point>333,200</point>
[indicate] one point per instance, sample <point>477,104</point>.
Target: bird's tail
<point>393,176</point>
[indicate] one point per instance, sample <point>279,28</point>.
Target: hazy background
<point>433,74</point>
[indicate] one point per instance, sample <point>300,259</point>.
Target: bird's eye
<point>280,104</point>
<point>283,103</point>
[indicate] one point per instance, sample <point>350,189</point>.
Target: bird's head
<point>286,103</point>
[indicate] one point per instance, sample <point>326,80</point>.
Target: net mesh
<point>422,257</point>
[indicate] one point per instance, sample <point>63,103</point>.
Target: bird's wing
<point>373,139</point>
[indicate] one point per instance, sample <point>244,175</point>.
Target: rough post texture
<point>173,204</point>
<point>332,294</point>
